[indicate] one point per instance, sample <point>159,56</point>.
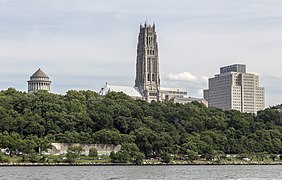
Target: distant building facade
<point>185,100</point>
<point>236,89</point>
<point>39,81</point>
<point>147,80</point>
<point>131,91</point>
<point>168,93</point>
<point>179,95</point>
<point>147,64</point>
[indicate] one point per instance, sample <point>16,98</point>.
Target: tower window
<point>153,77</point>
<point>148,77</point>
<point>148,65</point>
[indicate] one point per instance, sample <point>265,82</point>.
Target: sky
<point>82,44</point>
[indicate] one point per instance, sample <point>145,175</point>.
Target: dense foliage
<point>156,129</point>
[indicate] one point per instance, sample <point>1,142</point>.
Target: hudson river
<point>228,172</point>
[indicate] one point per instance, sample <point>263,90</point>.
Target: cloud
<point>255,73</point>
<point>97,39</point>
<point>187,76</point>
<point>120,16</point>
<point>200,93</point>
<point>192,83</point>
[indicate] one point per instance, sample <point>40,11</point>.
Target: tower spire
<point>147,64</point>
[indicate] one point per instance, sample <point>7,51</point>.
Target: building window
<point>148,65</point>
<point>153,77</point>
<point>148,77</point>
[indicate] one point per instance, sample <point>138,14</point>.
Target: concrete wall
<point>103,149</point>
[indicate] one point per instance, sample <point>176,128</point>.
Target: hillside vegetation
<point>29,121</point>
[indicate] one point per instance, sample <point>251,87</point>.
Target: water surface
<point>194,172</point>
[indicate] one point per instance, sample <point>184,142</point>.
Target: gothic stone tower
<point>147,65</point>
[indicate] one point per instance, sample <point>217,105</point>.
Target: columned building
<point>39,81</point>
<point>147,65</point>
<point>234,88</point>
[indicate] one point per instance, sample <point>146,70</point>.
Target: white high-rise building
<point>236,89</point>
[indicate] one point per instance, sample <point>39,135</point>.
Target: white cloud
<point>120,16</point>
<point>192,83</point>
<point>256,73</point>
<point>187,76</point>
<point>200,93</point>
<point>97,39</point>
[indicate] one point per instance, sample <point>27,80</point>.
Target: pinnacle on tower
<point>147,64</point>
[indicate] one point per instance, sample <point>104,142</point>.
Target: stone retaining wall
<point>103,149</point>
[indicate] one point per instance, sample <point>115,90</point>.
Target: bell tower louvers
<point>147,66</point>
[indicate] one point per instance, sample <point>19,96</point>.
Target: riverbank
<point>146,164</point>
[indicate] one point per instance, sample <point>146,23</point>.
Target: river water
<point>212,172</point>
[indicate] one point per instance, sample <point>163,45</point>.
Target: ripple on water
<point>228,172</point>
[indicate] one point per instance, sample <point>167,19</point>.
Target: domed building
<point>39,81</point>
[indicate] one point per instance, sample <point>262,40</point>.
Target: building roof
<point>172,89</point>
<point>128,90</point>
<point>190,99</point>
<point>39,74</point>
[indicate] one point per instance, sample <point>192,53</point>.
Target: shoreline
<point>208,163</point>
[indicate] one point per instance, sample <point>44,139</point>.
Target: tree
<point>73,153</point>
<point>166,157</point>
<point>129,153</point>
<point>139,157</point>
<point>192,155</point>
<point>93,153</point>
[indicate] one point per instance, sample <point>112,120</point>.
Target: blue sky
<point>81,44</point>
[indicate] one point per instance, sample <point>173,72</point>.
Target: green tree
<point>74,153</point>
<point>166,157</point>
<point>191,155</point>
<point>129,153</point>
<point>93,152</point>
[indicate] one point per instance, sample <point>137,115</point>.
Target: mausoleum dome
<point>39,81</point>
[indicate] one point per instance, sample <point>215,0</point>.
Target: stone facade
<point>147,81</point>
<point>39,81</point>
<point>103,149</point>
<point>235,89</point>
<point>147,66</point>
<point>169,93</point>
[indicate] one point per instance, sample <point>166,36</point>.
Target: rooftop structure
<point>233,68</point>
<point>128,90</point>
<point>39,81</point>
<point>168,93</point>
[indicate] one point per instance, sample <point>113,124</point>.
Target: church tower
<point>39,81</point>
<point>147,66</point>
